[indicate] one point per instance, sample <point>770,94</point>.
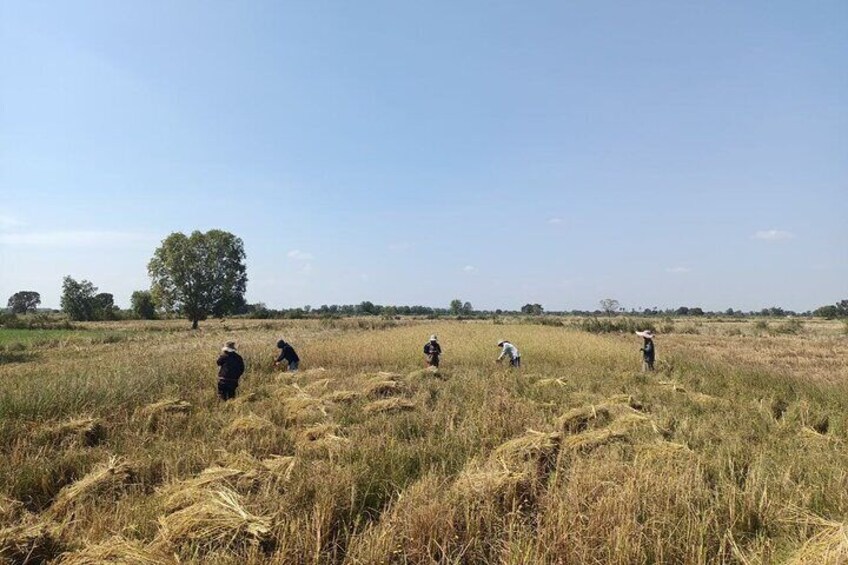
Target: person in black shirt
<point>287,354</point>
<point>648,350</point>
<point>230,369</point>
<point>433,351</point>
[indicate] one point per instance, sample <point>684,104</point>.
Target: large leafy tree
<point>78,299</point>
<point>24,301</point>
<point>199,275</point>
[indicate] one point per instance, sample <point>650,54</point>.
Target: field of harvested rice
<point>115,449</point>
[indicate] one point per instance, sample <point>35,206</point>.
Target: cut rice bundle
<point>167,406</point>
<point>219,521</point>
<point>107,479</point>
<point>389,405</point>
<point>117,550</point>
<point>250,424</point>
<point>383,389</point>
<point>88,431</point>
<point>30,542</point>
<point>181,494</point>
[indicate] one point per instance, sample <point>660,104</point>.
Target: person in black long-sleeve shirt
<point>648,350</point>
<point>287,354</point>
<point>230,369</point>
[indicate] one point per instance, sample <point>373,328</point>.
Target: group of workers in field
<point>231,364</point>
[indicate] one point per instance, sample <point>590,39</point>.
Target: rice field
<point>117,450</point>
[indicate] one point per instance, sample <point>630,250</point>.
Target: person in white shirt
<point>509,350</point>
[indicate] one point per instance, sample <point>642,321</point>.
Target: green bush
<point>615,325</point>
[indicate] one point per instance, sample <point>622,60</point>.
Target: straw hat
<point>230,346</point>
<point>647,334</point>
<point>434,338</point>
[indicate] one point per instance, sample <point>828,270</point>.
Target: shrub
<point>791,327</point>
<point>615,325</point>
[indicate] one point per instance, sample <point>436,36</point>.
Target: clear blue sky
<point>660,153</point>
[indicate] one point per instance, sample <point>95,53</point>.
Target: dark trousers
<point>515,362</point>
<point>227,389</point>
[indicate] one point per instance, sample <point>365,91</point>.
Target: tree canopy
<point>199,275</point>
<point>24,301</point>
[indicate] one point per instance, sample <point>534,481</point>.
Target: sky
<point>662,153</point>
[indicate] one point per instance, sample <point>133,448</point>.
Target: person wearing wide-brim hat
<point>509,350</point>
<point>230,369</point>
<point>648,350</point>
<point>433,351</point>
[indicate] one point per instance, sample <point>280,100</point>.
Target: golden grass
<point>577,458</point>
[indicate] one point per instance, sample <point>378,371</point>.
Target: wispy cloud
<point>554,221</point>
<point>773,235</point>
<point>469,268</point>
<point>299,255</point>
<point>306,270</point>
<point>678,270</point>
<point>10,222</point>
<point>75,238</point>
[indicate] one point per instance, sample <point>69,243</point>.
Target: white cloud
<point>306,270</point>
<point>75,238</point>
<point>299,255</point>
<point>10,222</point>
<point>773,235</point>
<point>469,268</point>
<point>678,270</point>
<point>555,221</point>
<point>399,246</point>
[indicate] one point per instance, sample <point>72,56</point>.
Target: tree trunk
<point>194,324</point>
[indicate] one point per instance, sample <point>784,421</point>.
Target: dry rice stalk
<point>89,430</point>
<point>582,418</point>
<point>30,542</point>
<point>675,386</point>
<point>117,550</point>
<point>389,405</point>
<point>317,386</point>
<point>493,484</point>
<point>627,399</point>
<point>106,479</point>
<point>344,396</point>
<point>538,449</point>
<point>382,389</point>
<point>167,406</point>
<point>304,409</point>
<point>425,373</point>
<point>280,466</point>
<point>10,510</point>
<point>387,376</point>
<point>252,396</point>
<point>318,432</point>
<point>313,372</point>
<point>590,440</point>
<point>249,424</point>
<point>546,382</point>
<point>828,545</point>
<point>180,494</point>
<point>219,521</point>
